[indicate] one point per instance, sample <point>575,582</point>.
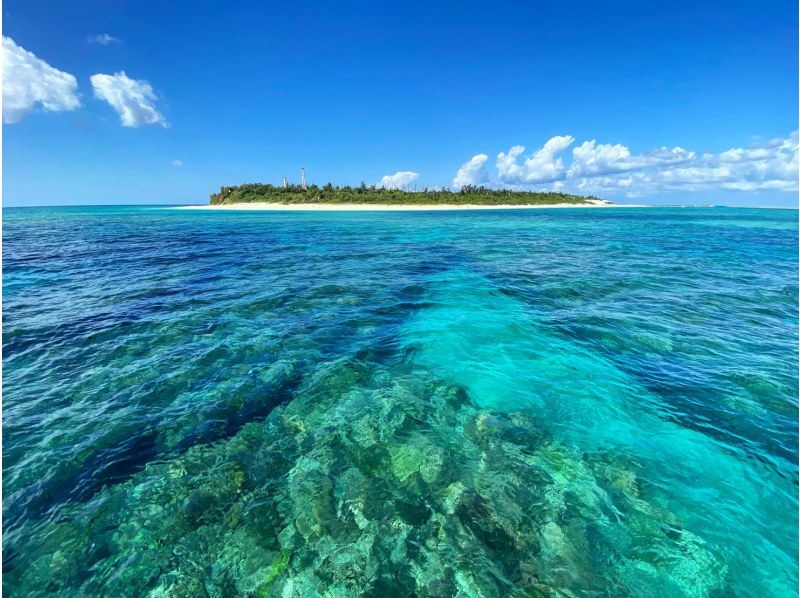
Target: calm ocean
<point>581,401</point>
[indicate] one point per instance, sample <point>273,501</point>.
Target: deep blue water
<point>564,401</point>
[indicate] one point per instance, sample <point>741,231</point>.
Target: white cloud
<point>542,166</point>
<point>472,172</point>
<point>507,167</point>
<point>29,80</point>
<point>399,180</point>
<point>102,39</point>
<point>770,166</point>
<point>666,155</point>
<point>132,99</point>
<point>591,159</point>
<point>177,163</point>
<point>600,168</point>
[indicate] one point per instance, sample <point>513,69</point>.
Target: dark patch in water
<point>113,465</point>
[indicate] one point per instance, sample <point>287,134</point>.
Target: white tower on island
<point>303,178</point>
<point>285,183</point>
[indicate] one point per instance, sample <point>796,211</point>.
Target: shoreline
<point>325,207</point>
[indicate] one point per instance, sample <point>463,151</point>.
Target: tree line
<point>364,194</point>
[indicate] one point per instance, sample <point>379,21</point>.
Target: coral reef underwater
<point>375,484</point>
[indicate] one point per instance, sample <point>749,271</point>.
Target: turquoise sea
<point>564,402</point>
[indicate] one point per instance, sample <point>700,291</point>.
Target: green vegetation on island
<point>332,194</point>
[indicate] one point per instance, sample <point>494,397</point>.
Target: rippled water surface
<point>575,402</point>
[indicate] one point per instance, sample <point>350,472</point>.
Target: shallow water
<point>566,401</point>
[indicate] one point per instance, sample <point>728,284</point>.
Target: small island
<point>365,196</point>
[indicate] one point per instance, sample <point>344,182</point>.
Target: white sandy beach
<point>355,207</point>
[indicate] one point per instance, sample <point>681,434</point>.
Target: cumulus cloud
<point>613,169</point>
<point>134,100</point>
<point>103,39</point>
<point>590,158</point>
<point>29,80</point>
<point>770,166</point>
<point>472,172</point>
<point>399,180</point>
<point>593,159</point>
<point>544,165</point>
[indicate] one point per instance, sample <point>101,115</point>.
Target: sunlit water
<point>576,402</point>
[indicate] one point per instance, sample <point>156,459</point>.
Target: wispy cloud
<point>29,81</point>
<point>134,100</point>
<point>399,180</point>
<point>177,163</point>
<point>102,39</point>
<point>613,168</point>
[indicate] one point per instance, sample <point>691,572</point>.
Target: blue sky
<point>685,102</point>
